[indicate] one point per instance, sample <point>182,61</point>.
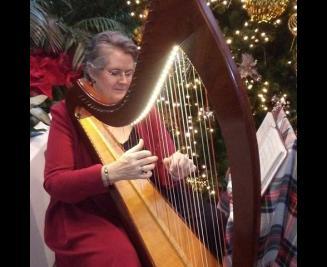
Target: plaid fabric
<point>278,232</point>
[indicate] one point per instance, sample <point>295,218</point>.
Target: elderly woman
<point>82,225</point>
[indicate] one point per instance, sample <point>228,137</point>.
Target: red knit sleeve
<point>62,180</point>
<point>158,140</point>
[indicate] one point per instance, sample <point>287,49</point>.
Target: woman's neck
<point>121,134</point>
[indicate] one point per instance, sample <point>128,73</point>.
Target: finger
<point>138,147</point>
<point>175,163</point>
<point>167,161</point>
<point>147,160</point>
<point>141,154</point>
<point>185,166</point>
<point>145,175</point>
<point>193,169</point>
<point>148,167</point>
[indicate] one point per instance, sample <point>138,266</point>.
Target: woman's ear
<point>92,74</point>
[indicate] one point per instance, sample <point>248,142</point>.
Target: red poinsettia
<point>48,71</point>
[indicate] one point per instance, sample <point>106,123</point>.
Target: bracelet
<point>106,179</point>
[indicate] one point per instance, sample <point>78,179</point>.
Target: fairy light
<point>266,39</point>
<point>237,32</point>
<point>278,22</point>
<point>137,1</point>
<point>128,2</point>
<point>229,41</point>
<point>159,84</point>
<point>245,38</point>
<point>132,14</point>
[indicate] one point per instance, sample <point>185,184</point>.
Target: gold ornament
<point>138,34</point>
<point>292,24</point>
<point>265,10</point>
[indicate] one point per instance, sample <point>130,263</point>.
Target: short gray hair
<point>93,57</point>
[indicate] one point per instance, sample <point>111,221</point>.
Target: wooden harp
<point>190,25</point>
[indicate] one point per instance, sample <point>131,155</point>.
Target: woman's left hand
<point>179,165</point>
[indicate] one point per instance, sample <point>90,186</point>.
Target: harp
<point>196,38</point>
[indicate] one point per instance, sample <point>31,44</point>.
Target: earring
<point>92,81</point>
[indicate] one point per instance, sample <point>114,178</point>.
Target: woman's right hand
<point>135,163</point>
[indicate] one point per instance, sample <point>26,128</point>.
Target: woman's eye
<point>114,73</point>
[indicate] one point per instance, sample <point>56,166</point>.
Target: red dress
<point>81,224</point>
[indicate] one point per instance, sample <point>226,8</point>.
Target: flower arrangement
<point>50,77</point>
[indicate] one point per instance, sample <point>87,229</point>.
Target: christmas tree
<point>261,35</point>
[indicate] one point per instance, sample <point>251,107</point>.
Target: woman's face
<point>113,81</point>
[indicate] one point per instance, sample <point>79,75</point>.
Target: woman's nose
<point>123,79</point>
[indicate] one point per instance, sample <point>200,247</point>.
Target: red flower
<point>48,71</point>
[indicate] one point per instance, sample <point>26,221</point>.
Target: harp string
<point>171,189</point>
<point>180,105</point>
<point>197,208</point>
<point>222,244</point>
<point>193,152</point>
<point>213,208</point>
<point>165,150</point>
<point>165,154</point>
<point>201,111</point>
<point>172,101</point>
<point>186,135</point>
<point>152,148</point>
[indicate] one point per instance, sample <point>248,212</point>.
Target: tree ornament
<point>292,24</point>
<point>247,67</point>
<point>138,34</point>
<point>265,10</point>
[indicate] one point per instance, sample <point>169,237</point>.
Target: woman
<point>82,226</point>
